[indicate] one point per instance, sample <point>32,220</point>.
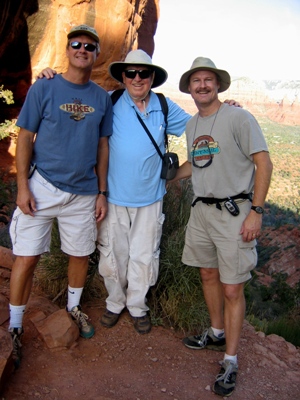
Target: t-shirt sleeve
<point>106,122</point>
<point>32,111</point>
<point>177,119</point>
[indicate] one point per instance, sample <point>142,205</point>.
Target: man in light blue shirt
<point>129,237</point>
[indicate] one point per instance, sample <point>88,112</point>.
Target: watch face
<point>258,209</point>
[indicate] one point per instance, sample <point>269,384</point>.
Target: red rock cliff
<point>33,36</point>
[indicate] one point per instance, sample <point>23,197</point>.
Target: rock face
<point>33,36</point>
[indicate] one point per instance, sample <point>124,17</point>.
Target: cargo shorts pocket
<point>247,256</point>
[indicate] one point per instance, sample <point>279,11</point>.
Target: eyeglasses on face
<point>143,73</point>
<point>88,46</point>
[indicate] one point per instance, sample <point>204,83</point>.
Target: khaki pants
<point>128,241</point>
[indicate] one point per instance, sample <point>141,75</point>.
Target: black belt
<point>214,200</point>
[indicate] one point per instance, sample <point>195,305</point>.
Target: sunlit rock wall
<point>33,36</point>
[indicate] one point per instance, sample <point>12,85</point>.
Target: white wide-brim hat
<point>137,57</point>
<point>202,63</point>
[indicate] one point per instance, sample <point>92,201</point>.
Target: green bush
<point>288,328</point>
<point>177,299</point>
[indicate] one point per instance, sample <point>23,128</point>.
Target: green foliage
<point>284,194</point>
<point>286,327</point>
<point>8,128</point>
<point>177,298</point>
<point>6,95</point>
<point>275,308</point>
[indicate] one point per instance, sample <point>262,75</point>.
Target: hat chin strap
<point>139,98</point>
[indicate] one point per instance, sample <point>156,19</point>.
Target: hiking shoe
<point>225,381</point>
<point>142,324</point>
<point>86,329</point>
<point>16,334</point>
<point>109,319</point>
<point>205,341</point>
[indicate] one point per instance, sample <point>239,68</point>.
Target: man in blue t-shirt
<point>63,142</point>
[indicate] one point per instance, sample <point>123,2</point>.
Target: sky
<point>259,39</point>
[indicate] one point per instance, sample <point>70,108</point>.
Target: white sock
<point>219,333</point>
<point>16,316</point>
<point>231,358</point>
<point>74,295</point>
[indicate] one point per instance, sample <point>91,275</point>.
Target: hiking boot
<point>142,324</point>
<point>225,381</point>
<point>109,319</point>
<point>206,341</point>
<point>86,329</point>
<point>16,334</point>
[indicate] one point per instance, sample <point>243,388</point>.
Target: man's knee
<point>27,263</point>
<point>209,275</point>
<point>233,292</point>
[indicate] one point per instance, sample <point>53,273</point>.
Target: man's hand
<point>26,202</point>
<point>47,73</point>
<point>251,226</point>
<point>233,103</point>
<point>101,207</point>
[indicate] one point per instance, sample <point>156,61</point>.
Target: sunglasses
<point>87,46</point>
<point>143,73</point>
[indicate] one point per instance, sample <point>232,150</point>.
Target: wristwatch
<point>258,209</point>
<point>103,192</point>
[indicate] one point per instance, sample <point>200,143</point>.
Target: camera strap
<point>150,136</point>
<point>116,94</point>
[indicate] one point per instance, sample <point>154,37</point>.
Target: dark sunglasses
<point>143,73</point>
<point>88,46</point>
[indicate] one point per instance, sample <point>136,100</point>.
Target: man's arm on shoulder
<point>25,199</point>
<point>47,73</point>
<point>233,103</point>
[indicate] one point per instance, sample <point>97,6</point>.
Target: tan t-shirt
<point>224,142</point>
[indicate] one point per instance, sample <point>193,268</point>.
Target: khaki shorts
<point>75,215</point>
<point>213,240</point>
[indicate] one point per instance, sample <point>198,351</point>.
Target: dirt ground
<point>120,364</point>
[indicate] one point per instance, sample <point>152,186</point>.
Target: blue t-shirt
<point>68,120</point>
<point>134,164</point>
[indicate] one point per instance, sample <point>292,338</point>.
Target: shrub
<point>177,298</point>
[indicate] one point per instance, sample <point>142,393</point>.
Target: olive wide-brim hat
<point>205,64</point>
<point>137,57</point>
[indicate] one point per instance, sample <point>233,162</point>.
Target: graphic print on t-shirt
<point>204,148</point>
<point>77,109</point>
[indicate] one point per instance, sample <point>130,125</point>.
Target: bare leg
<point>21,279</point>
<point>234,314</point>
<point>213,294</point>
<point>77,271</point>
